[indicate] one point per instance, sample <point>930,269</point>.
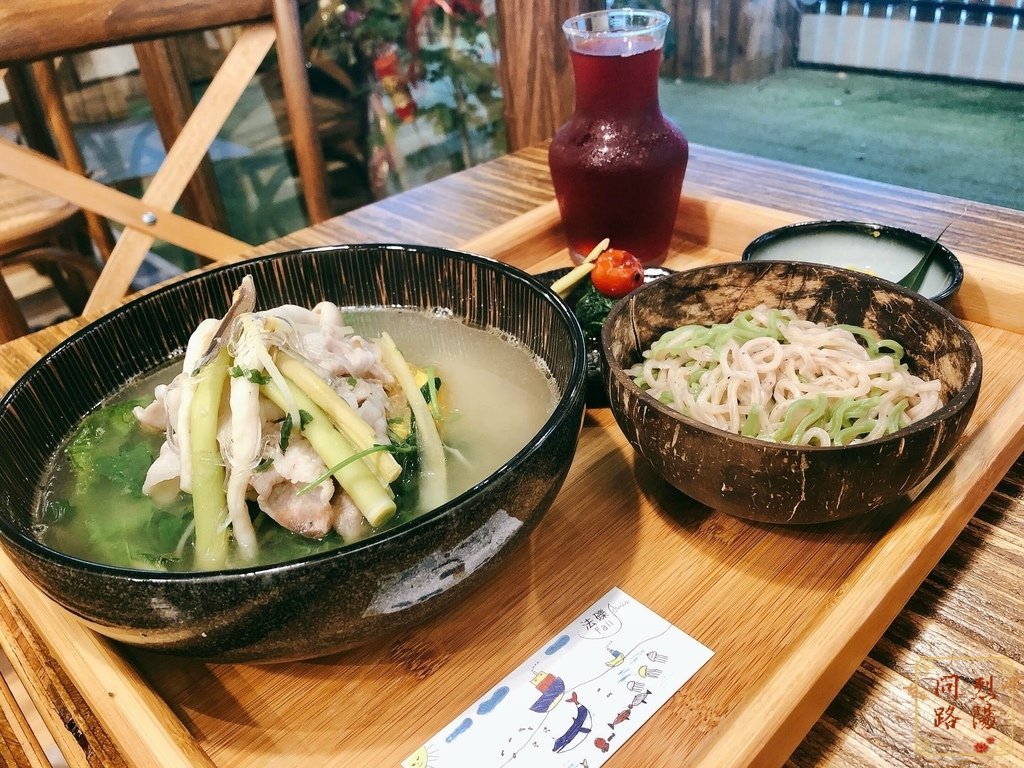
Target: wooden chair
<point>38,229</point>
<point>29,35</point>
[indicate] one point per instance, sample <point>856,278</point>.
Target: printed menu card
<point>575,701</point>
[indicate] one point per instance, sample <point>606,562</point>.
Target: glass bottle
<point>618,163</point>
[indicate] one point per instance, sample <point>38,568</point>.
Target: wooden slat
<point>18,744</point>
<point>516,233</point>
<point>60,126</point>
<point>309,155</point>
<point>28,112</point>
<point>181,162</point>
<point>144,728</point>
<point>34,30</point>
<point>534,68</point>
<point>12,321</point>
<point>170,96</point>
<point>42,172</point>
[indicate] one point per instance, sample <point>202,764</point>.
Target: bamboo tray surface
<point>789,612</point>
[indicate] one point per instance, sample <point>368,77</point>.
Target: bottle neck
<point>616,84</point>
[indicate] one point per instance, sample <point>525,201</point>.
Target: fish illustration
<point>617,658</point>
<point>551,689</point>
<point>640,698</point>
<point>621,717</point>
<point>603,744</point>
<point>580,725</point>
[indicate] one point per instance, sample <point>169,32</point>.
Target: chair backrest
<point>36,32</point>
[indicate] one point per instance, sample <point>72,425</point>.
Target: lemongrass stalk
<point>344,416</point>
<point>370,496</point>
<point>563,285</point>
<point>433,481</point>
<point>246,438</point>
<point>209,499</point>
<point>197,344</point>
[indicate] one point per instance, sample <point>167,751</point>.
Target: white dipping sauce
<point>869,252</point>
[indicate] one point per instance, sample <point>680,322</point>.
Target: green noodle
<point>841,417</point>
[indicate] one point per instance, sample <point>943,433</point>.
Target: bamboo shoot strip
<point>367,492</point>
<point>433,485</point>
<point>563,285</point>
<point>345,417</point>
<point>209,498</point>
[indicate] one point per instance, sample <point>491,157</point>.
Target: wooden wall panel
<point>534,67</point>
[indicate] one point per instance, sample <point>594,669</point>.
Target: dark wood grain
<point>309,155</point>
<point>535,73</point>
<point>12,321</point>
<point>971,605</point>
<point>34,30</point>
<point>170,95</point>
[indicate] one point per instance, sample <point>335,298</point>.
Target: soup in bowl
<point>294,455</point>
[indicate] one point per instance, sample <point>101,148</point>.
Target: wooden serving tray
<point>789,612</point>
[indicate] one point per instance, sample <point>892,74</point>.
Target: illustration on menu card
<point>573,703</point>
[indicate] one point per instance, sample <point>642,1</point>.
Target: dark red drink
<point>618,164</point>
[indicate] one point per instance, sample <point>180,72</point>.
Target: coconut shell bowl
<point>369,590</point>
<point>776,482</point>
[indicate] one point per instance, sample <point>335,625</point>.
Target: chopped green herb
<point>263,466</point>
<point>286,431</point>
<point>257,377</point>
<point>429,392</point>
<point>304,418</point>
<point>342,464</point>
<point>250,374</point>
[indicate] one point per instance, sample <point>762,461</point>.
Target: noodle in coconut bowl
<point>770,375</point>
<point>789,392</point>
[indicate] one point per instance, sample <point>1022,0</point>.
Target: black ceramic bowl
<point>774,482</point>
<point>887,252</point>
<point>334,600</point>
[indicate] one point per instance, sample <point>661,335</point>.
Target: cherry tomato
<point>616,273</point>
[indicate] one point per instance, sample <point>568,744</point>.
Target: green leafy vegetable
<point>100,435</point>
<point>406,453</point>
<point>103,509</point>
<point>591,310</point>
<point>127,468</point>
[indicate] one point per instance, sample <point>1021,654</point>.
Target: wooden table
<point>972,604</point>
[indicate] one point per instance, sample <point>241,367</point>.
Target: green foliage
<point>453,57</point>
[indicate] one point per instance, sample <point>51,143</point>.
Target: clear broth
<point>497,394</point>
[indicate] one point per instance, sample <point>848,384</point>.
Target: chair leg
<point>72,274</point>
<point>12,321</point>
